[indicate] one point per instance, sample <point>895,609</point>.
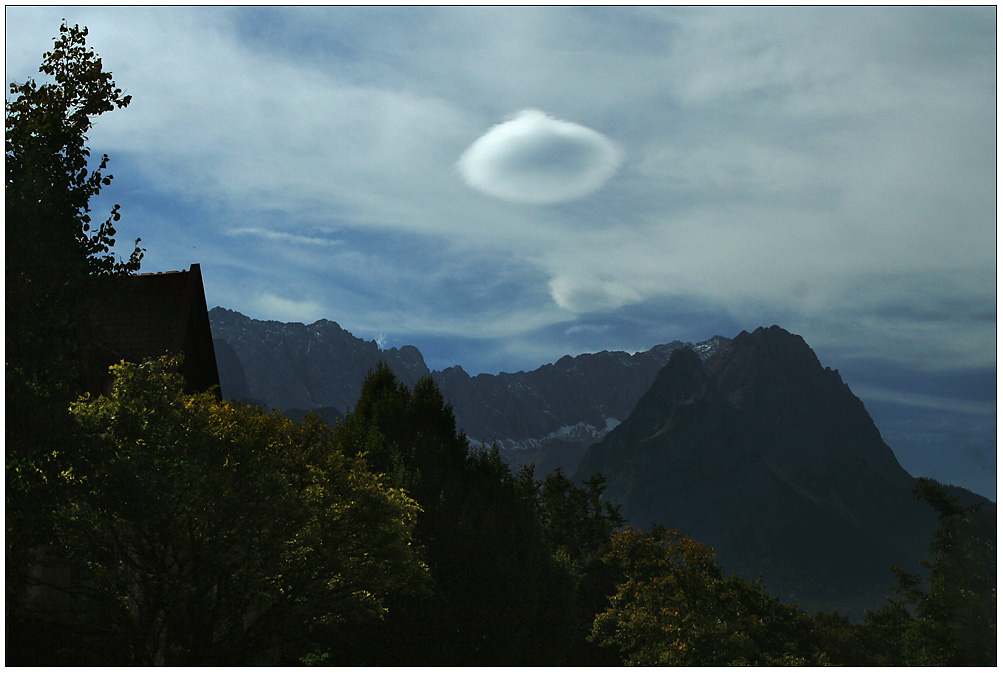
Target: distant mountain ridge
<point>292,365</point>
<point>548,416</point>
<point>769,458</point>
<point>748,444</point>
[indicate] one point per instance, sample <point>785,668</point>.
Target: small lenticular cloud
<point>587,294</point>
<point>288,310</point>
<point>535,158</point>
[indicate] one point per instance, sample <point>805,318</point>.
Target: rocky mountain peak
<point>768,354</point>
<point>293,365</point>
<point>759,451</point>
<point>682,372</point>
<point>798,411</point>
<point>548,416</point>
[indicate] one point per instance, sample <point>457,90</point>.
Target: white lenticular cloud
<point>535,158</point>
<point>585,294</point>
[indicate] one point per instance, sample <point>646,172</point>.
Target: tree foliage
<point>53,244</point>
<point>498,596</point>
<point>50,182</point>
<point>207,532</point>
<point>949,620</point>
<point>55,252</point>
<point>676,607</point>
<point>577,523</point>
<point>577,520</point>
<point>192,531</point>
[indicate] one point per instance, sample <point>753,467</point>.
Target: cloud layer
<point>535,158</point>
<point>828,169</point>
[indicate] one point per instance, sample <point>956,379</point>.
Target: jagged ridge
<point>548,416</point>
<point>769,458</point>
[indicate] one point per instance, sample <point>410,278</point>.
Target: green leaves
<point>55,249</point>
<point>211,531</point>
<point>675,607</point>
<point>951,619</point>
<point>54,245</point>
<point>577,521</point>
<point>497,596</point>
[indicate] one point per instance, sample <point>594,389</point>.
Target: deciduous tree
<point>676,607</point>
<point>53,245</point>
<point>207,532</point>
<point>949,620</point>
<point>55,253</point>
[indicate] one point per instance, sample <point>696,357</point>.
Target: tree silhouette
<point>55,255</point>
<point>209,533</point>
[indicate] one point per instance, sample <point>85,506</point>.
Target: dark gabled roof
<point>135,318</point>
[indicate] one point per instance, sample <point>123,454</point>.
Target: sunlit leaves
<point>676,607</point>
<point>211,529</point>
<point>54,251</point>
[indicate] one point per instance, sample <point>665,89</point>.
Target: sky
<point>503,186</point>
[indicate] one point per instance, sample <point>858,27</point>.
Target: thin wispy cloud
<point>588,293</point>
<point>283,236</point>
<point>496,177</point>
<point>807,166</point>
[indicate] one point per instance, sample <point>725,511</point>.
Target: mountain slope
<point>552,414</point>
<point>548,416</point>
<point>292,365</point>
<point>769,458</point>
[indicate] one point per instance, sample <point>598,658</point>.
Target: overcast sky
<point>502,186</point>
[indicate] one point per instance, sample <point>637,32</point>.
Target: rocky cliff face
<point>548,416</point>
<point>292,365</point>
<point>768,457</point>
<point>749,445</point>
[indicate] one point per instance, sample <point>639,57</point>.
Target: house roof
<point>144,316</point>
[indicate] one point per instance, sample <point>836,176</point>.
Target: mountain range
<point>768,457</point>
<point>548,416</point>
<point>748,444</point>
